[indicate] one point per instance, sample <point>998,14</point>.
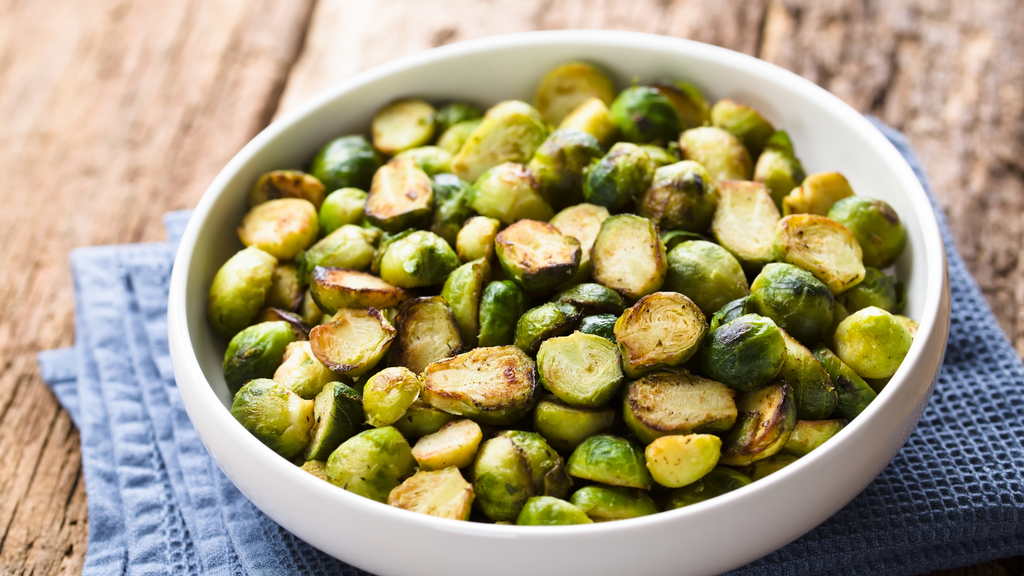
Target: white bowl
<point>706,538</point>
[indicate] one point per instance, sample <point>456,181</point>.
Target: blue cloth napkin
<point>953,496</point>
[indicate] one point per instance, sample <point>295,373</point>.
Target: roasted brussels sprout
<point>769,465</point>
<point>400,197</point>
<point>564,426</point>
<point>681,196</point>
<point>745,222</point>
<point>275,415</point>
<point>511,131</point>
<point>453,138</point>
<point>677,402</point>
<point>744,123</point>
<point>582,222</point>
<point>816,194</point>
<point>745,353</point>
<point>543,322</point>
<point>875,225</point>
<point>501,305</point>
<point>729,312</point>
<point>602,325</point>
<point>317,468</point>
<point>510,192</point>
<point>813,391</point>
<point>592,298</point>
<point>550,511</point>
<point>337,288</point>
<point>582,370</point>
<point>779,168</point>
<point>452,113</point>
<point>688,102</point>
<point>442,493</point>
<point>347,247</point>
<point>419,259</point>
<point>238,290</point>
<point>353,342</point>
<point>286,289</point>
<point>719,481</point>
<point>287,184</point>
<point>707,274</point>
<point>676,461</point>
<point>302,373</point>
<point>432,160</point>
<point>660,156</point>
<point>511,468</point>
<point>371,463</point>
<point>809,434</point>
<point>346,162</point>
<point>623,173</point>
<point>821,246</point>
<point>426,331</point>
<point>607,503</point>
<point>338,414</point>
<point>629,257</point>
<point>388,394</point>
<point>661,330</point>
<point>256,352</point>
<point>873,342</point>
<point>451,206</point>
<point>644,115</point>
<point>476,238</point>
<point>610,460</point>
<point>853,393</point>
<point>877,289</point>
<point>422,419</point>
<point>766,419</point>
<point>567,86</point>
<point>559,163</point>
<point>797,301</point>
<point>455,444</point>
<point>402,125</point>
<point>719,152</point>
<point>536,256</point>
<point>488,385</point>
<point>593,117</point>
<point>281,228</point>
<point>462,292</point>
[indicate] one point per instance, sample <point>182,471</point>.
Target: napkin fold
<point>953,496</point>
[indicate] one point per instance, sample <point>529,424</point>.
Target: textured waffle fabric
<point>954,495</point>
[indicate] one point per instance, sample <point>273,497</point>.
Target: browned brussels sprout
<point>510,192</point>
<point>400,197</point>
<point>821,246</point>
<point>287,184</point>
<point>511,131</point>
<point>476,238</point>
<point>281,228</point>
<point>875,225</point>
<point>682,196</point>
<point>487,385</point>
<point>797,301</point>
<point>338,413</point>
<point>346,162</point>
<point>742,122</point>
<point>622,174</point>
<point>402,125</point>
<point>592,299</point>
<point>501,305</point>
<point>455,444</point>
<point>607,503</point>
<point>426,331</point>
<point>451,207</point>
<point>644,115</point>
<point>816,194</point>
<point>745,222</point>
<point>593,117</point>
<point>559,163</point>
<point>629,257</point>
<point>661,330</point>
<point>766,419</point>
<point>442,493</point>
<point>580,369</point>
<point>813,391</point>
<point>853,393</point>
<point>687,100</point>
<point>353,342</point>
<point>536,255</point>
<point>275,415</point>
<point>567,86</point>
<point>388,394</point>
<point>745,353</point>
<point>719,152</point>
<point>543,322</point>
<point>256,352</point>
<point>677,402</point>
<point>337,288</point>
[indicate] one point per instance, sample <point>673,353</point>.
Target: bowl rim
<point>193,378</point>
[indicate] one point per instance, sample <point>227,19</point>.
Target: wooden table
<point>113,112</point>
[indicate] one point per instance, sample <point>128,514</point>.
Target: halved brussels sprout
<point>511,131</point>
<point>877,289</point>
<point>349,247</point>
<point>581,369</point>
<point>766,419</point>
<point>287,184</point>
<point>346,162</point>
<point>455,444</point>
<point>745,222</point>
<point>821,246</point>
<point>592,298</point>
<point>681,196</point>
<point>426,331</point>
<point>719,481</point>
<point>488,385</point>
<point>610,460</point>
<point>501,305</point>
<point>707,274</point>
<point>687,100</point>
<point>400,197</point>
<point>550,511</point>
<point>629,257</point>
<point>602,325</point>
<point>281,228</point>
<point>338,413</point>
<point>582,222</point>
<point>661,330</point>
<point>317,468</point>
<point>510,192</point>
<point>285,291</point>
<point>476,238</point>
<point>813,391</point>
<point>660,156</point>
<point>673,238</point>
<point>302,373</point>
<point>873,342</point>
<point>442,493</point>
<point>462,292</point>
<point>769,465</point>
<point>853,393</point>
<point>742,122</point>
<point>567,86</point>
<point>238,290</point>
<point>451,207</point>
<point>644,115</point>
<point>677,402</point>
<point>309,312</point>
<point>543,322</point>
<point>593,117</point>
<point>337,288</point>
<point>623,173</point>
<point>536,256</point>
<point>419,259</point>
<point>371,463</point>
<point>564,426</point>
<point>730,312</point>
<point>559,164</point>
<point>809,434</point>
<point>432,160</point>
<point>402,125</point>
<point>875,225</point>
<point>607,503</point>
<point>454,112</point>
<point>719,152</point>
<point>511,468</point>
<point>676,461</point>
<point>256,352</point>
<point>454,137</point>
<point>745,353</point>
<point>353,342</point>
<point>816,194</point>
<point>779,168</point>
<point>797,301</point>
<point>388,394</point>
<point>275,415</point>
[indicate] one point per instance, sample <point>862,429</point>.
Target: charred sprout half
<point>661,330</point>
<point>536,255</point>
<point>816,194</point>
<point>286,288</point>
<point>745,222</point>
<point>302,373</point>
<point>644,115</point>
<point>281,228</point>
<point>353,342</point>
<point>476,238</point>
<point>559,164</point>
<point>349,246</point>
<point>455,444</point>
<point>400,197</point>
<point>442,493</point>
<point>628,256</point>
<point>853,393</point>
<point>580,369</point>
<point>287,184</point>
<point>337,288</point>
<point>426,331</point>
<point>592,298</point>
<point>677,402</point>
<point>402,125</point>
<point>821,246</point>
<point>719,152</point>
<point>808,435</point>
<point>813,391</point>
<point>622,174</point>
<point>488,385</point>
<point>766,420</point>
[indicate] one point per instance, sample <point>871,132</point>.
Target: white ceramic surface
<point>707,538</point>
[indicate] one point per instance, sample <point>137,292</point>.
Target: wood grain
<point>120,110</point>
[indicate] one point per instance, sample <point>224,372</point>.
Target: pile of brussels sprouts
<point>581,310</point>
